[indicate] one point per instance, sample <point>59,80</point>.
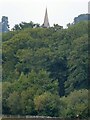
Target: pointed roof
<point>46,21</point>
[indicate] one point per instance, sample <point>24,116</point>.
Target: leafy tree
<point>27,103</point>
<point>76,104</point>
<point>78,65</point>
<point>14,103</point>
<point>47,104</point>
<point>6,90</point>
<point>82,17</point>
<point>24,25</point>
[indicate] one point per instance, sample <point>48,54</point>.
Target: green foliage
<point>47,104</point>
<point>78,64</point>
<point>24,25</point>
<point>76,103</point>
<point>20,94</point>
<point>27,102</point>
<point>14,103</point>
<point>42,65</point>
<point>8,36</point>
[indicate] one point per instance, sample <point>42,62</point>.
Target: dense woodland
<point>45,71</point>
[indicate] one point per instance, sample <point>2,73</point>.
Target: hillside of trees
<point>45,71</point>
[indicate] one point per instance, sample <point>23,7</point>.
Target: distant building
<point>4,27</point>
<point>46,21</point>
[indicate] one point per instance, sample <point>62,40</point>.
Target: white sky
<point>61,12</point>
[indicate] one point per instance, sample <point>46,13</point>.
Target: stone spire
<point>46,21</point>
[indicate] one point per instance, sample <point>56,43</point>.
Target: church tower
<point>46,21</point>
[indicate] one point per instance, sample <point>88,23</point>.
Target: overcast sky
<point>61,12</point>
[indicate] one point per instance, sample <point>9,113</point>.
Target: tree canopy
<point>45,71</point>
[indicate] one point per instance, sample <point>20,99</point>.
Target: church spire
<point>46,21</point>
